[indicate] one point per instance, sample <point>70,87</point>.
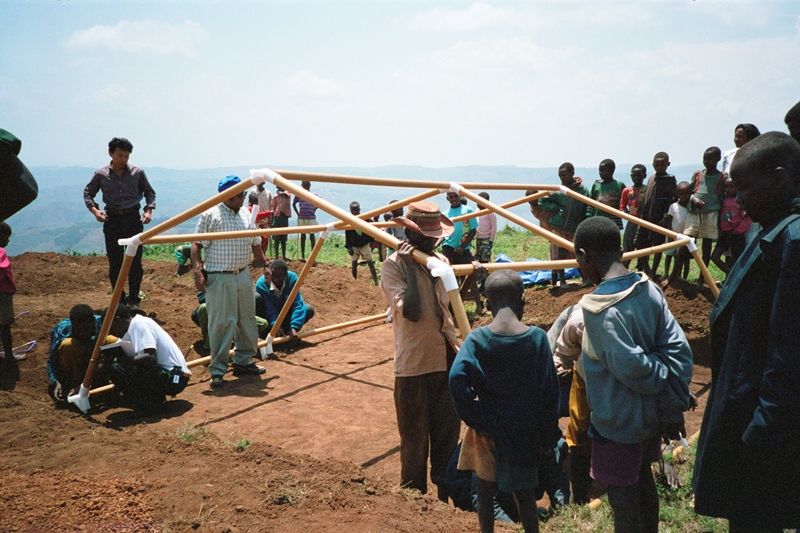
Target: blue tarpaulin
<point>536,277</point>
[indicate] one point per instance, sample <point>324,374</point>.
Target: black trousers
<point>121,227</point>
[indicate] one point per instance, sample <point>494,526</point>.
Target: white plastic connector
<point>253,216</point>
<point>131,249</point>
<point>269,349</point>
<point>683,441</point>
<point>259,175</point>
<point>328,229</point>
<point>692,246</point>
<point>135,240</point>
<point>563,189</point>
<point>262,353</point>
<point>440,269</point>
<point>81,400</point>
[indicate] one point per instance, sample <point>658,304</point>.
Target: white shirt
<point>144,333</point>
<point>679,214</point>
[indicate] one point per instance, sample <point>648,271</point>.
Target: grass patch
<point>242,444</point>
<point>190,434</point>
<point>287,492</point>
<point>676,509</point>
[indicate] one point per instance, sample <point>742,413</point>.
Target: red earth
<point>311,445</point>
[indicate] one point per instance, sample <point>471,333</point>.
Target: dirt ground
<point>317,441</point>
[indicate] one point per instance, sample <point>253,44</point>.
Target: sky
<point>199,84</point>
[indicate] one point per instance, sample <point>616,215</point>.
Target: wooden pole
<point>296,289</point>
<point>552,237</point>
<point>394,182</point>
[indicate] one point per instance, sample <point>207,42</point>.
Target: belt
<point>122,211</point>
<point>228,271</point>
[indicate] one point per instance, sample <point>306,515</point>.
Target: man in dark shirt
<point>123,188</point>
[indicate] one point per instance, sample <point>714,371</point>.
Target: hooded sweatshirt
<point>637,361</point>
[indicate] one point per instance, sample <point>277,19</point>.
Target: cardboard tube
<point>512,203</point>
<point>394,182</point>
<point>712,284</point>
<point>627,216</point>
<point>372,231</point>
<point>122,278</point>
<point>194,237</point>
<point>302,334</point>
<point>560,241</point>
<point>296,289</point>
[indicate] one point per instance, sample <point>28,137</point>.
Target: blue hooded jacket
<point>274,303</point>
<point>636,359</point>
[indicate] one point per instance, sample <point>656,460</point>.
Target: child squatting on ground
<point>504,387</point>
<point>637,365</point>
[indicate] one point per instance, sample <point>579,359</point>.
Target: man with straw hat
<point>425,345</point>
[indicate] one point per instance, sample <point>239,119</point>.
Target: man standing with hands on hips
<point>225,279</point>
<point>123,188</point>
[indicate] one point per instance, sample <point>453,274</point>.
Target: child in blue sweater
<point>504,387</point>
<point>637,365</point>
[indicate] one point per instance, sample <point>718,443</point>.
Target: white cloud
<point>503,53</point>
<point>143,36</point>
<point>477,16</point>
<point>306,83</point>
<point>529,17</point>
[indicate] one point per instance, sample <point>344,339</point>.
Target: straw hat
<point>426,219</point>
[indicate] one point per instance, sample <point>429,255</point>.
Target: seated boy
<point>273,289</point>
<point>637,364</point>
<point>504,387</point>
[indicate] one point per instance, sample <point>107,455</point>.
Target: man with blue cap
<point>225,279</point>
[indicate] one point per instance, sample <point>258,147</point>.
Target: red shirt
<point>6,274</point>
<point>630,199</point>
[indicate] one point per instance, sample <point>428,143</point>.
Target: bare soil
<point>317,441</point>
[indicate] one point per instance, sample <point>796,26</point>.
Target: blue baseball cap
<point>227,182</point>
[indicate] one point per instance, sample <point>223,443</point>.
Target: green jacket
<point>567,212</point>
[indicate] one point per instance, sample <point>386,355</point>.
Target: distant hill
<point>58,221</point>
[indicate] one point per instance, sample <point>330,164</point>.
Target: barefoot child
<point>504,387</point>
<point>703,220</point>
<point>629,203</point>
<point>658,196</point>
<point>567,213</point>
<point>676,221</point>
<point>7,291</point>
<point>637,365</point>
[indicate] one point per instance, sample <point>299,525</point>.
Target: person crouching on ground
<point>425,344</point>
<point>157,370</point>
<point>504,387</point>
<point>273,289</point>
<point>637,364</point>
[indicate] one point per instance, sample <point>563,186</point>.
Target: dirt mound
<point>310,446</point>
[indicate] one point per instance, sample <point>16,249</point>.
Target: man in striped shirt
<point>226,281</point>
